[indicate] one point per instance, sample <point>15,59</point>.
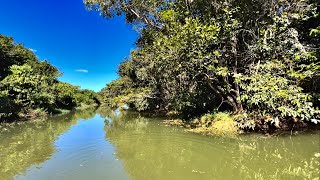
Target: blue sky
<point>83,45</point>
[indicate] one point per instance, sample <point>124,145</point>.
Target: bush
<point>221,124</point>
<point>29,87</point>
<point>224,125</point>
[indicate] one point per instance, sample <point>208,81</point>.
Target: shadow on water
<point>149,150</point>
<point>26,144</point>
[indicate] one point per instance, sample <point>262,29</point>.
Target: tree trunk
<point>235,104</point>
<point>236,98</point>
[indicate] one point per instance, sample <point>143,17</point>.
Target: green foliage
<point>12,53</point>
<point>87,97</point>
<point>29,87</point>
<point>137,11</point>
<point>120,92</point>
<point>258,59</point>
<point>222,124</point>
<point>7,106</point>
<point>173,65</point>
<point>65,95</point>
<point>271,91</point>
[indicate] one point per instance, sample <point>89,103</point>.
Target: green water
<point>106,144</point>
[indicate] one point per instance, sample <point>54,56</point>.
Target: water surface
<point>108,144</point>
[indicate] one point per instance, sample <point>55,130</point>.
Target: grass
<point>220,124</point>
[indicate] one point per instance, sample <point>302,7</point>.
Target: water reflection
<point>149,150</point>
<point>279,158</point>
<point>32,143</point>
<point>125,145</point>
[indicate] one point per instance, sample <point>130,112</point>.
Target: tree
<point>30,87</point>
<point>135,11</point>
<point>26,88</point>
<point>65,98</point>
<point>12,53</point>
<point>258,57</point>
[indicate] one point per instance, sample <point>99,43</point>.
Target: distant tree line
<point>29,87</point>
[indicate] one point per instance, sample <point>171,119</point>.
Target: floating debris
<point>200,172</point>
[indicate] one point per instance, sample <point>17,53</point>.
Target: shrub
<point>221,124</point>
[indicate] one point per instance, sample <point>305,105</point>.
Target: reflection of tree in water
<point>85,114</point>
<point>150,151</point>
<point>279,157</point>
<point>31,143</point>
<point>104,111</point>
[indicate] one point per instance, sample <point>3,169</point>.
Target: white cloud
<point>82,70</point>
<point>33,50</point>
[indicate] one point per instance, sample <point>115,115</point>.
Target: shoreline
<point>226,124</point>
<point>210,131</point>
<point>44,114</point>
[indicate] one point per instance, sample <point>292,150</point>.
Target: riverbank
<point>44,114</point>
<point>225,124</point>
<point>231,125</point>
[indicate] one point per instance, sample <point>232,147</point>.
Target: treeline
<point>256,59</point>
<point>29,87</point>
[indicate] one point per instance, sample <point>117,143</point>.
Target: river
<point>106,144</point>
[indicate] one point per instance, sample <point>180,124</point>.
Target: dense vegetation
<point>256,59</point>
<point>29,87</point>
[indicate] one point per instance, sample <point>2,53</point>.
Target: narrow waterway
<point>107,144</point>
